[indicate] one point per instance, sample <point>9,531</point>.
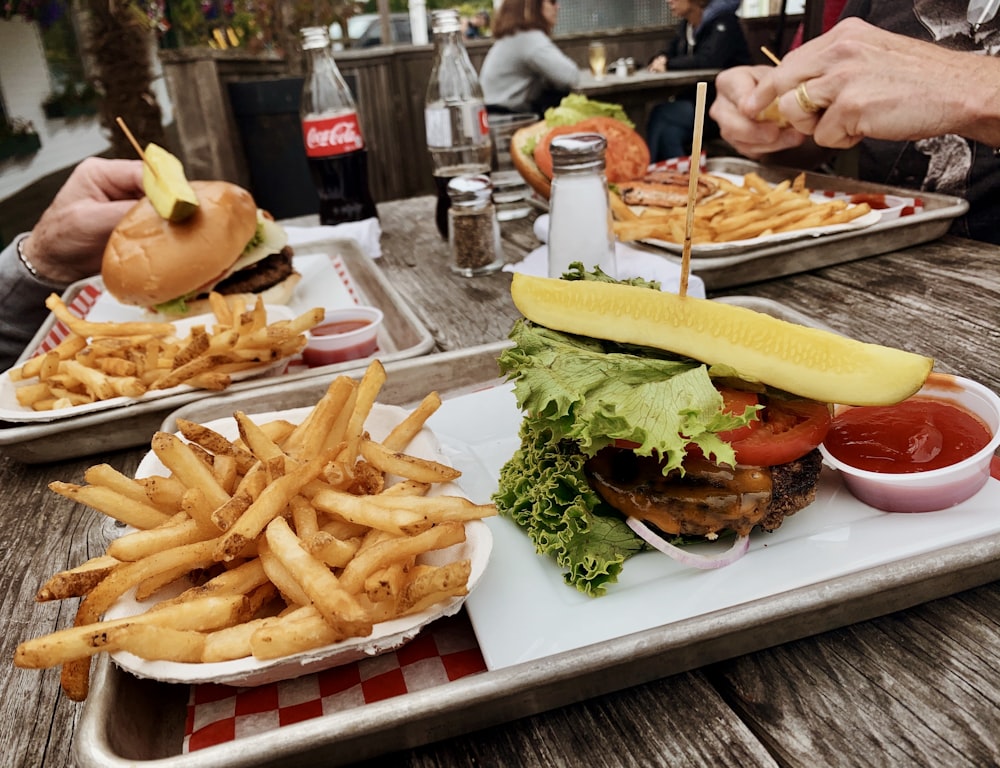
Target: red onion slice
<point>705,562</point>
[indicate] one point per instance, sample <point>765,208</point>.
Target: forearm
<point>22,305</point>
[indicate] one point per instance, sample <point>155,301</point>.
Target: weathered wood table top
<point>916,687</point>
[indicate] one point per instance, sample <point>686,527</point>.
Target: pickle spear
<point>166,186</point>
<point>804,361</point>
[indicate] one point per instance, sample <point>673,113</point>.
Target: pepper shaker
<point>580,213</point>
<point>473,230</point>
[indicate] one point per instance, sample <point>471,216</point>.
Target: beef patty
<point>707,498</point>
<point>259,276</point>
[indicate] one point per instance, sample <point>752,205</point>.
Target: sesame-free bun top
<point>149,260</point>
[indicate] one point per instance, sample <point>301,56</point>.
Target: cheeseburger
<point>227,245</point>
<point>652,419</point>
<point>626,157</point>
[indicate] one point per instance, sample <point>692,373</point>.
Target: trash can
<point>267,117</point>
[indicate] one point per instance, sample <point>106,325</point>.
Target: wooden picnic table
<point>915,687</point>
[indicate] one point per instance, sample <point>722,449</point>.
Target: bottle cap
<point>469,189</point>
<point>578,151</point>
<point>314,37</point>
<point>446,20</point>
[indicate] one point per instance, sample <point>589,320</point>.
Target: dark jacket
<point>719,42</point>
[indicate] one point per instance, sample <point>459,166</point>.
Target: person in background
<point>67,244</point>
<point>709,37</point>
<point>915,87</point>
<point>478,26</point>
<point>523,70</point>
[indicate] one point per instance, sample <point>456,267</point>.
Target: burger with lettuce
<point>652,420</point>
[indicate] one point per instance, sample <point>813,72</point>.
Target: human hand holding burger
<point>67,243</point>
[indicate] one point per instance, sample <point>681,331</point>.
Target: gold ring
<point>805,103</point>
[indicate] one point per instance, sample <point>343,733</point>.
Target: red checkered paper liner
<point>445,650</point>
<point>680,164</point>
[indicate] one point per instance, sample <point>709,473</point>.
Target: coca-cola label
<point>327,136</point>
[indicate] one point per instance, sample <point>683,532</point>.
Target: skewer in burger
<point>228,245</point>
<point>652,419</point>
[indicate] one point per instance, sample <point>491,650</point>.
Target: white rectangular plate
<point>523,611</point>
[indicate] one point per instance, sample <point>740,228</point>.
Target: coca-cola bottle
<point>331,131</point>
<point>458,134</point>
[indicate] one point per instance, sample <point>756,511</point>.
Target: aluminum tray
<point>132,722</point>
<point>764,262</point>
<point>402,336</point>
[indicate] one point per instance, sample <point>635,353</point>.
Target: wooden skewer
<point>767,52</point>
<point>699,123</point>
<point>135,144</point>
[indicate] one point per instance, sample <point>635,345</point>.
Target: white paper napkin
<point>365,233</point>
<point>632,262</point>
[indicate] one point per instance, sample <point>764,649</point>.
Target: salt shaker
<point>579,211</point>
<point>473,230</point>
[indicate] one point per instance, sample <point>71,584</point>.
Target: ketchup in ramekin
<point>929,452</point>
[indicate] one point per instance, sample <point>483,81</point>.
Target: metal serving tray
<point>128,721</point>
<point>764,262</point>
<point>401,336</point>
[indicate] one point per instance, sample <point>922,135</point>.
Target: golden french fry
<point>369,559</point>
<point>297,631</point>
<point>82,641</point>
<point>76,582</point>
<point>410,427</point>
<point>338,607</point>
<point>409,467</point>
<point>216,444</point>
<point>316,432</point>
<point>88,329</point>
<point>280,576</point>
<point>335,552</point>
<point>113,504</point>
<point>180,459</point>
<point>230,643</point>
<point>256,440</point>
<point>271,503</point>
<point>135,546</point>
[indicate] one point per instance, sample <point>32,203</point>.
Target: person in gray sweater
<point>67,244</point>
<point>524,71</point>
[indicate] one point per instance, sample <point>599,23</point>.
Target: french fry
<point>179,458</point>
<point>76,582</point>
<point>370,559</point>
<point>409,467</point>
<point>271,502</point>
<point>337,606</point>
<point>409,427</point>
<point>113,504</point>
<point>82,641</point>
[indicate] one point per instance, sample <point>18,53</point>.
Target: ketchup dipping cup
<point>934,489</point>
<point>344,334</point>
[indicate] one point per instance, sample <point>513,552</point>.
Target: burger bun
<point>525,162</point>
<point>149,260</point>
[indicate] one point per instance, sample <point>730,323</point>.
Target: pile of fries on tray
<point>101,361</point>
<point>287,538</point>
<point>736,212</point>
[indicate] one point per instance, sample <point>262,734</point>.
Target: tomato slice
<point>735,402</point>
<point>791,428</point>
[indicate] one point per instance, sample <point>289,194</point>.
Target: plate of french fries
<point>103,365</point>
<point>261,548</point>
<point>746,212</point>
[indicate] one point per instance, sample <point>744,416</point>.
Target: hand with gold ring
<point>805,103</point>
